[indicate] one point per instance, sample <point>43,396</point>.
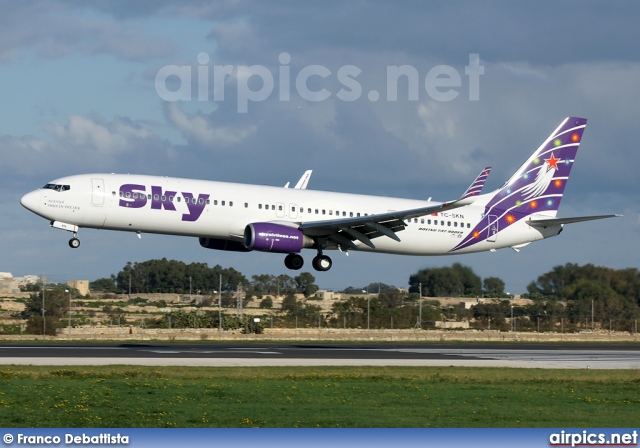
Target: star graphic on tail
<point>552,162</point>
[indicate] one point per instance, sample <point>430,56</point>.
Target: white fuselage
<point>199,208</point>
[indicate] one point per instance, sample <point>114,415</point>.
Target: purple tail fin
<point>540,182</point>
<point>476,186</point>
<point>536,187</point>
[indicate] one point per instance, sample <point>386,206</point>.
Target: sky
<point>140,87</point>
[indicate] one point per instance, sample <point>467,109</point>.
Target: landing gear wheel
<point>74,243</point>
<point>322,263</point>
<point>293,261</point>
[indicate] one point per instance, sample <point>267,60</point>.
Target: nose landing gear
<point>74,242</point>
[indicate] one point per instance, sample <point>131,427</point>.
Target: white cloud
<point>108,138</point>
<point>198,128</point>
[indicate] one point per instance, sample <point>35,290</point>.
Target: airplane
<point>243,217</point>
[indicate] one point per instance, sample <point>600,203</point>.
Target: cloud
<point>199,128</point>
<point>84,144</point>
<point>55,30</point>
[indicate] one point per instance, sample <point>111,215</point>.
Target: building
<point>8,285</point>
<point>81,285</point>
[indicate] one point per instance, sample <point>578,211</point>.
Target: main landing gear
<point>74,242</point>
<point>320,262</point>
<point>293,261</point>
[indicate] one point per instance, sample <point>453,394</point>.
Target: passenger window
<point>422,221</point>
<point>324,212</point>
<point>455,224</point>
<point>178,198</point>
<point>156,197</point>
<point>230,203</point>
<point>170,198</point>
<point>259,206</point>
<point>128,194</point>
<point>208,201</point>
<point>351,214</point>
<point>449,223</point>
<point>429,221</point>
<point>344,213</point>
<point>317,211</point>
<point>358,215</point>
<point>468,226</point>
<point>308,210</point>
<point>415,220</point>
<point>273,207</point>
<point>441,223</point>
<point>200,201</point>
<point>164,198</point>
<point>121,194</point>
<point>246,205</point>
<point>215,202</point>
<point>222,203</point>
<point>279,208</point>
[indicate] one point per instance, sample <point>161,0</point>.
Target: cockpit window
<point>57,187</point>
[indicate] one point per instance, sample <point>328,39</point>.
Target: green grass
<point>317,397</point>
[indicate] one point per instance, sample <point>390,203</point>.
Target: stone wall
<point>133,333</point>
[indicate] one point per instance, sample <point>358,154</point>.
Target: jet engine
<point>220,244</point>
<point>271,237</point>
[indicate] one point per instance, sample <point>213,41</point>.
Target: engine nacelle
<point>220,244</point>
<point>270,237</point>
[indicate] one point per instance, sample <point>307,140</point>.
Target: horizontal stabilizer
<point>559,221</point>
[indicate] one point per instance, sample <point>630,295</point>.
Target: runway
<point>544,356</point>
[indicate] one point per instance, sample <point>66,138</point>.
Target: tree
<point>171,276</point>
<point>493,287</point>
<point>305,284</point>
<point>454,281</point>
<point>266,303</point>
<point>56,304</point>
<point>104,285</point>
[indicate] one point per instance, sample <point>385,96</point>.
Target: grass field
<point>317,397</point>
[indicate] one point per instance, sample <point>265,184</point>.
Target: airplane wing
<point>343,232</point>
<point>559,221</point>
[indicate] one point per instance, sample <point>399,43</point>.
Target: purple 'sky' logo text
<point>136,196</point>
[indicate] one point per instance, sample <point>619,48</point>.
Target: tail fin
<point>476,186</point>
<point>536,187</point>
<point>539,183</point>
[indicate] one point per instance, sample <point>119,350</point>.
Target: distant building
<point>81,285</point>
<point>327,295</point>
<point>27,280</point>
<point>8,285</point>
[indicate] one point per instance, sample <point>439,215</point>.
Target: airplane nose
<point>31,201</point>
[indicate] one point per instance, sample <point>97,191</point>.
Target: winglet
<point>476,186</point>
<point>304,180</point>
